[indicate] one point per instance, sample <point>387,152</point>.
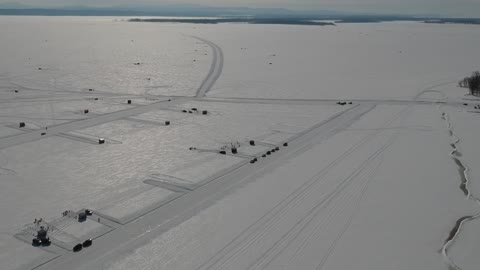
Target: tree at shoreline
<point>472,83</point>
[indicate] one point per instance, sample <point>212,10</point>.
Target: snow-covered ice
<point>376,184</point>
<point>134,205</point>
<point>380,61</point>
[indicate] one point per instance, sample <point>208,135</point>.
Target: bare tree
<point>463,83</point>
<point>472,83</point>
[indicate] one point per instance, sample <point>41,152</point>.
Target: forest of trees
<point>472,83</point>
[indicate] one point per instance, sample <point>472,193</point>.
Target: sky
<point>460,8</point>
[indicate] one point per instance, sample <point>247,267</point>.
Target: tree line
<point>472,83</point>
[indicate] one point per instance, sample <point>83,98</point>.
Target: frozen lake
<point>258,167</point>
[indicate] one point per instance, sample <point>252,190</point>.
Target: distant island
<point>284,21</point>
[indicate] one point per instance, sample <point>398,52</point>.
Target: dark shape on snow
<point>46,242</point>
<point>101,141</point>
<point>205,112</point>
<point>86,111</point>
<point>234,151</point>
<point>82,217</point>
<point>22,124</point>
<point>88,212</point>
<point>129,101</point>
<point>43,133</point>
<point>285,144</point>
<point>77,248</point>
<point>223,152</point>
<point>42,238</point>
<point>42,233</point>
<point>252,143</point>
<point>36,242</point>
<point>87,243</point>
<point>167,123</point>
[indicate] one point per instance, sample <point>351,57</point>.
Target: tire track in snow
<point>279,210</point>
<point>370,179</point>
<point>254,233</point>
<point>356,175</point>
<point>284,242</point>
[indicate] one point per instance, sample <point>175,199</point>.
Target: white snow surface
<point>399,217</point>
<point>371,185</point>
<point>312,62</point>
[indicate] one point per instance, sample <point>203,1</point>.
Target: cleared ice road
<point>215,69</point>
<point>149,226</point>
<point>84,123</point>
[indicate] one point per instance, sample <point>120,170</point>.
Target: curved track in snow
<point>215,69</point>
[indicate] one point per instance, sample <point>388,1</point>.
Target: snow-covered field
<point>378,183</point>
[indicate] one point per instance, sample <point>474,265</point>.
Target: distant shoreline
<point>200,18</point>
<point>454,21</point>
<point>237,20</point>
<point>300,21</point>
